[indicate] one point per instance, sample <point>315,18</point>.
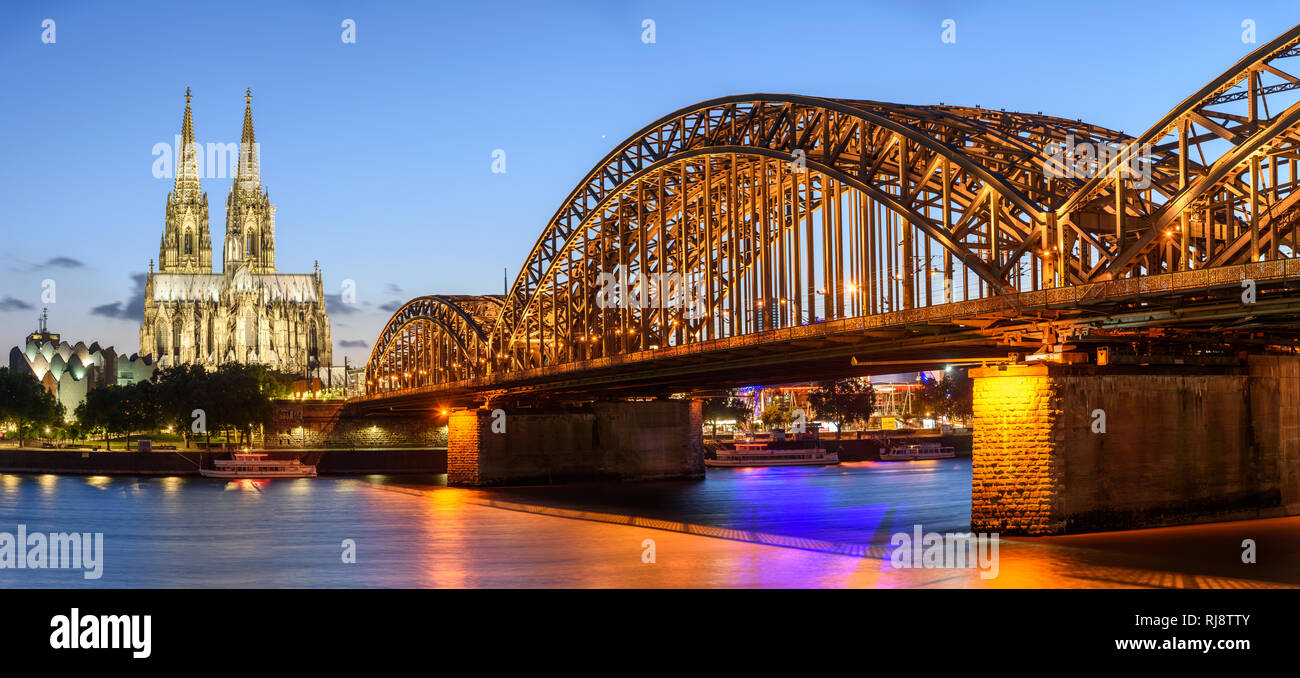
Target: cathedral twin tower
<point>247,313</point>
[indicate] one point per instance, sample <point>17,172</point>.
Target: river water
<point>777,527</point>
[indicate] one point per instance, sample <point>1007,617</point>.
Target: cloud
<point>334,305</point>
<point>11,304</point>
<point>393,288</point>
<point>359,343</point>
<point>56,262</point>
<point>62,262</point>
<point>132,308</point>
<point>391,306</point>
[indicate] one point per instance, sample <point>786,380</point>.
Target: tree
<point>26,403</point>
<point>951,395</point>
<point>122,410</point>
<point>777,414</point>
<point>843,401</point>
<point>181,390</point>
<point>96,412</point>
<point>233,396</point>
<point>727,407</point>
<point>141,408</point>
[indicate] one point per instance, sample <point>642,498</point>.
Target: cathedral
<point>247,313</point>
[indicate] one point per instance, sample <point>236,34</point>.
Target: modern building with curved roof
<point>68,371</point>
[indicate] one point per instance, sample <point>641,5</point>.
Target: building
<point>246,313</point>
<point>67,371</point>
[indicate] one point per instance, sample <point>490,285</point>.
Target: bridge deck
<point>1204,305</point>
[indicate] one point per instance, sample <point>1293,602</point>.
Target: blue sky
<point>378,154</point>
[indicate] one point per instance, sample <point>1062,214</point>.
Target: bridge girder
<point>772,212</point>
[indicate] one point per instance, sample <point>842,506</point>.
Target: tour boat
<point>759,454</point>
<point>910,451</point>
<point>257,465</point>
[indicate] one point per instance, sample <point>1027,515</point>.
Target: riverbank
<point>188,463</point>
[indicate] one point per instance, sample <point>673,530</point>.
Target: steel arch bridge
<point>766,215</point>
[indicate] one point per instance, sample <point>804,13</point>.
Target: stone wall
<point>617,440</point>
<point>651,440</point>
<point>1016,472</point>
<point>330,423</point>
<point>1180,444</point>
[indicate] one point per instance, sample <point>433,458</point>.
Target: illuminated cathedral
<point>247,312</point>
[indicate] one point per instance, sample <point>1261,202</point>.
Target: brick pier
<point>1180,444</point>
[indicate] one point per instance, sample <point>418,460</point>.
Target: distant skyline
<point>378,154</point>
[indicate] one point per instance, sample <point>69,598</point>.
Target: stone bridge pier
<point>643,440</point>
<point>1076,448</point>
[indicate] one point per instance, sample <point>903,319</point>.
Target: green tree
<point>97,411</point>
<point>142,409</point>
<point>843,401</point>
<point>232,397</point>
<point>951,395</point>
<point>182,389</point>
<point>123,410</point>
<point>727,407</point>
<point>777,414</point>
<point>24,402</point>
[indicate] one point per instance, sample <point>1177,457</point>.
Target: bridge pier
<point>1077,448</point>
<point>646,440</point>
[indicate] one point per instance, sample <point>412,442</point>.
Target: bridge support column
<point>607,441</point>
<point>1078,448</point>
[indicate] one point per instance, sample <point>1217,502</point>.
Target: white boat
<point>910,451</point>
<point>257,465</point>
<point>759,454</point>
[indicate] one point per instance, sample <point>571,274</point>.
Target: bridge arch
<point>430,340</point>
<point>959,184</point>
<point>754,212</point>
<point>1221,173</point>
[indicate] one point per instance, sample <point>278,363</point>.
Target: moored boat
<point>912,451</point>
<point>759,454</point>
<point>257,465</point>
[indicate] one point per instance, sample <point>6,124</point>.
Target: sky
<point>378,153</point>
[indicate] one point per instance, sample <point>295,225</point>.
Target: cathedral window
<point>250,333</point>
<point>189,242</point>
<point>160,338</point>
<point>311,343</point>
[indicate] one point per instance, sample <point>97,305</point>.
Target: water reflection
<point>787,527</point>
<point>247,485</point>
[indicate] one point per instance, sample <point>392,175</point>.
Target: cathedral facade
<point>246,313</point>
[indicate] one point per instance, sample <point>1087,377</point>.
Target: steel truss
<point>746,214</point>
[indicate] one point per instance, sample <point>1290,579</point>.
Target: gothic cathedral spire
<point>187,166</point>
<point>250,217</point>
<point>248,177</point>
<point>186,246</point>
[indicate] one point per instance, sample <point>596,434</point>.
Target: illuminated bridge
<point>768,238</point>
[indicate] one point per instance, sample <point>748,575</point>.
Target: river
<point>776,527</point>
